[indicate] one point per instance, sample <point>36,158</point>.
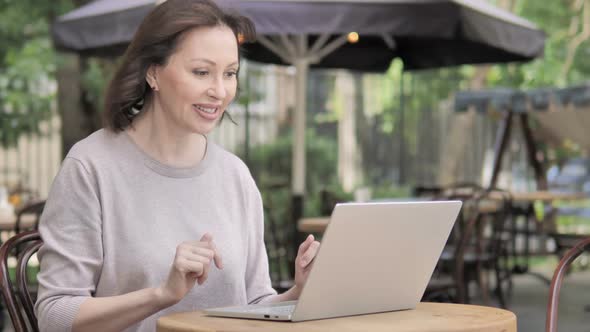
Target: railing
<point>411,157</point>
<point>32,164</point>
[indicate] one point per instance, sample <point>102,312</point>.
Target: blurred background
<point>369,136</point>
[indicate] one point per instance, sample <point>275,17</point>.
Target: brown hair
<point>153,43</point>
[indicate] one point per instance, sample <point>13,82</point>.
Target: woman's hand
<point>304,261</point>
<point>191,265</point>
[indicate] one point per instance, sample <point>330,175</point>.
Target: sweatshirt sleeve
<point>258,284</point>
<point>71,256</point>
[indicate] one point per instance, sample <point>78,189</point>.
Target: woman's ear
<point>151,78</point>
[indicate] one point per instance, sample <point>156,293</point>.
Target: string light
<point>353,37</point>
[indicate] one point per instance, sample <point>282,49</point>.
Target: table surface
<point>319,224</point>
<point>547,196</point>
<point>439,317</point>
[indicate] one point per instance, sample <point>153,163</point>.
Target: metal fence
<point>33,163</point>
<point>420,141</point>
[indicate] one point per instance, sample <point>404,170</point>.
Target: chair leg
<point>459,276</point>
<point>482,283</point>
<point>499,290</point>
<point>503,273</point>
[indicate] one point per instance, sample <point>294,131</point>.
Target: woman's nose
<point>217,89</point>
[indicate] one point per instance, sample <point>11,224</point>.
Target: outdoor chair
<point>447,282</point>
<point>18,297</point>
<point>281,267</point>
<point>566,241</point>
<point>477,245</point>
<point>560,271</point>
<point>486,246</point>
<point>35,209</point>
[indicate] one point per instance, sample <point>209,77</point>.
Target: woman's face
<point>199,81</point>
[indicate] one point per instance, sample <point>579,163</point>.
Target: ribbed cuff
<point>61,315</point>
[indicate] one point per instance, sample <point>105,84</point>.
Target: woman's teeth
<point>206,110</point>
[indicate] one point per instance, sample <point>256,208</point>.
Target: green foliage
<point>97,73</point>
<point>402,119</point>
<point>558,20</point>
<point>26,90</point>
<point>555,18</point>
<point>385,192</point>
<point>270,165</point>
<point>27,66</point>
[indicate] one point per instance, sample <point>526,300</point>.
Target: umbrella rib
<point>319,43</point>
<point>288,44</point>
<point>274,48</point>
<point>389,41</point>
<point>331,47</point>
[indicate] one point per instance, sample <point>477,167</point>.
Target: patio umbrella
<point>354,34</point>
<point>560,115</point>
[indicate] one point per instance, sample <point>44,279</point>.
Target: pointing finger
<point>207,237</point>
<point>310,254</point>
<point>303,247</point>
<point>216,257</point>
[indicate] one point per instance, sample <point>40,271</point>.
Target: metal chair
<point>447,283</point>
<point>476,245</point>
<point>18,297</point>
<point>35,209</point>
<point>280,265</point>
<point>564,263</point>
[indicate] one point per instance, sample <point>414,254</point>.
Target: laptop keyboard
<point>271,310</point>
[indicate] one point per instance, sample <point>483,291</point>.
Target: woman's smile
<point>208,112</point>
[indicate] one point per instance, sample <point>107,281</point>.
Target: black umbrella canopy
<point>423,33</point>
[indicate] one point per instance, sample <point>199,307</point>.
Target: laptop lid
<point>376,257</point>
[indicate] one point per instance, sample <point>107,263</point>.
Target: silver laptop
<point>374,257</point>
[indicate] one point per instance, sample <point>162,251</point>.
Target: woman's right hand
<point>191,265</point>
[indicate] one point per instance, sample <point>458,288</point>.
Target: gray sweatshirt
<point>115,216</point>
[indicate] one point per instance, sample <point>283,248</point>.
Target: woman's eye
<point>200,72</point>
<point>231,74</point>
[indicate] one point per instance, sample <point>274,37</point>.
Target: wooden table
<point>546,196</point>
<point>319,224</point>
<point>313,225</point>
<point>439,317</point>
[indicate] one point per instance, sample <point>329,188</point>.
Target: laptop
<point>374,257</point>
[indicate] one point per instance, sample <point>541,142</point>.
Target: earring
<point>153,87</point>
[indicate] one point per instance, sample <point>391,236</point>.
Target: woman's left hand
<point>304,261</point>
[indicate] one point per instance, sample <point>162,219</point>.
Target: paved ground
<point>529,301</point>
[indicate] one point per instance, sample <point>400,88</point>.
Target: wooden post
<point>502,139</point>
<point>532,152</point>
<point>69,101</point>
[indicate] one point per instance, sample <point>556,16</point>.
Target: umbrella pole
<point>298,171</point>
<point>402,152</point>
<point>297,52</point>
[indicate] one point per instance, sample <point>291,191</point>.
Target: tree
<point>27,65</point>
<point>567,25</point>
